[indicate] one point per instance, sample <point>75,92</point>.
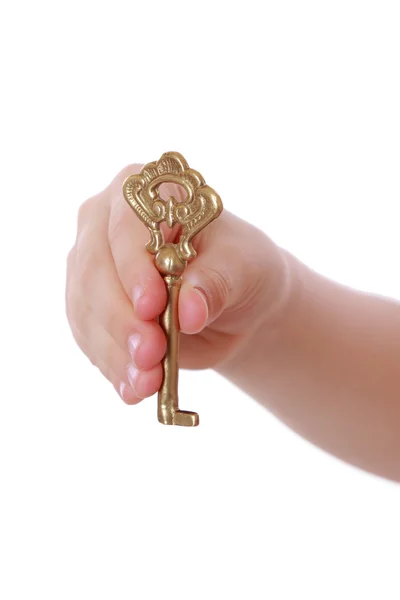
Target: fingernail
<point>137,293</point>
<point>191,282</point>
<point>127,394</point>
<point>133,373</point>
<point>202,296</point>
<point>189,286</point>
<point>133,343</point>
<point>122,388</point>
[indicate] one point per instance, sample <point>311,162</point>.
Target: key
<point>199,208</point>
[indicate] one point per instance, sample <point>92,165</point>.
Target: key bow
<point>194,212</point>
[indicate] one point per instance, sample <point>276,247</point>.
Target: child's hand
<point>323,357</point>
<point>115,293</point>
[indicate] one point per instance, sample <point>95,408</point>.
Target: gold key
<point>199,208</point>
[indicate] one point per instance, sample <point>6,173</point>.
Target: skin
<point>320,356</point>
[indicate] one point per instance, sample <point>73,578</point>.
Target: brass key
<point>199,208</point>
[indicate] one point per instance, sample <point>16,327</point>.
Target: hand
<point>115,294</point>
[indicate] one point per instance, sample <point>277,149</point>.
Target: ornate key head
<point>200,207</point>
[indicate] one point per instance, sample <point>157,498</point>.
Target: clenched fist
<point>115,294</point>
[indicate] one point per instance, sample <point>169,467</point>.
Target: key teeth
<point>184,418</point>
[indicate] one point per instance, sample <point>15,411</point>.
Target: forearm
<point>330,369</point>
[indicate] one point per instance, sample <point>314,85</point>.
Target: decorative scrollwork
<point>199,208</point>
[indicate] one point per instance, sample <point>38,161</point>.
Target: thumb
<point>239,272</point>
<point>207,290</point>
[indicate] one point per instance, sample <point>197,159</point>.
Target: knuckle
<point>69,283</point>
<point>113,324</point>
<point>69,306</point>
<point>86,211</point>
<point>131,169</point>
<point>116,226</point>
<point>119,324</point>
<point>122,220</point>
<point>86,267</point>
<point>70,264</point>
<point>70,260</point>
<point>110,355</point>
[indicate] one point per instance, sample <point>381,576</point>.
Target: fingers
<point>132,384</point>
<point>144,383</point>
<point>126,349</point>
<point>134,368</point>
<point>108,358</point>
<point>139,277</point>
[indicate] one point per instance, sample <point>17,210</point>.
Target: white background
<point>291,111</point>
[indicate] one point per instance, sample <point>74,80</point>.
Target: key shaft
<point>168,404</point>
